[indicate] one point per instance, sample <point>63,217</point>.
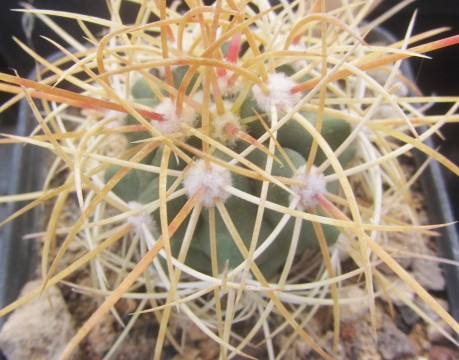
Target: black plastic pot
<point>22,170</point>
<point>440,211</point>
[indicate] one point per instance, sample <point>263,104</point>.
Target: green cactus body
<point>294,136</point>
<point>141,90</point>
<point>243,216</point>
<point>143,187</point>
<point>151,102</point>
<point>179,73</point>
<point>279,196</point>
<point>133,185</point>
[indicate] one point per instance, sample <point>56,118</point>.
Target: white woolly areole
<point>171,123</point>
<point>313,185</point>
<point>280,93</point>
<point>142,218</point>
<point>212,178</point>
<point>219,122</point>
<point>226,89</point>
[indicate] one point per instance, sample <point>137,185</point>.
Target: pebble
<point>26,336</point>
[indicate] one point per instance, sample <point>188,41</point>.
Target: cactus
<point>225,149</point>
<point>143,187</point>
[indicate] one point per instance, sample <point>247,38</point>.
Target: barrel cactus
<point>142,187</point>
<point>228,157</point>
